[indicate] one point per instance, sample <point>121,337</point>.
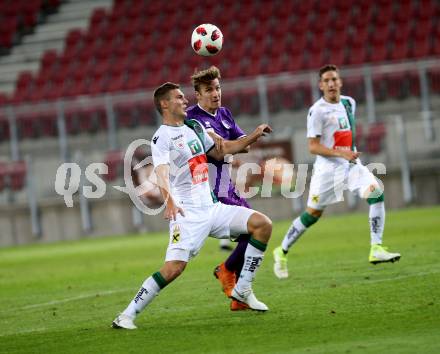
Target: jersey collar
<point>212,115</point>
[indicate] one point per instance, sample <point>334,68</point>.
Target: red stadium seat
<point>3,174</point>
<point>434,80</point>
<point>115,163</point>
<point>4,128</point>
<point>375,137</point>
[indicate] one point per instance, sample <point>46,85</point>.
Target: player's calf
<point>149,290</point>
<point>260,228</point>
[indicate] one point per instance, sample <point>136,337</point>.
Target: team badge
<point>179,143</point>
<point>225,124</point>
<point>315,198</point>
<point>176,234</point>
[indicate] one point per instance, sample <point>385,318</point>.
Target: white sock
<point>224,242</point>
<point>377,222</point>
<point>293,234</point>
<point>252,260</point>
<point>145,295</point>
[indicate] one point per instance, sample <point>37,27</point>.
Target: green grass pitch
<point>61,298</point>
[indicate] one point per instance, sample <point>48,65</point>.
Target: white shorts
<point>330,180</point>
<point>188,233</point>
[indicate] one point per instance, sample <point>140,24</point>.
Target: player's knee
<point>373,192</point>
<point>374,200</point>
<point>171,270</point>
<point>316,213</point>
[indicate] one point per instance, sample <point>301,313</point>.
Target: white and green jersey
<point>335,124</point>
<point>185,151</point>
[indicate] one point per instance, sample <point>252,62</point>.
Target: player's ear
<point>164,103</point>
<point>197,94</point>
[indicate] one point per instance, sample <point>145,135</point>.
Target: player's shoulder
<point>162,131</point>
<point>224,112</point>
<point>192,111</point>
<point>318,107</point>
<point>349,98</point>
<point>160,136</point>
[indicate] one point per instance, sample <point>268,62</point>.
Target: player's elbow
<point>313,148</point>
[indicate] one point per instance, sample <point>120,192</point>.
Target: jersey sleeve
<point>314,123</point>
<point>353,106</point>
<point>205,123</point>
<point>160,149</point>
<point>207,140</point>
<point>236,131</point>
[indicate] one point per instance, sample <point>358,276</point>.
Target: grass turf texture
<point>61,298</point>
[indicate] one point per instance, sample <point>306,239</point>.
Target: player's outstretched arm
<point>171,209</point>
<point>235,146</point>
<point>316,148</point>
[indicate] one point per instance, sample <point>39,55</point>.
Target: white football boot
<point>249,298</point>
<point>280,263</point>
<point>379,254</point>
<point>124,321</point>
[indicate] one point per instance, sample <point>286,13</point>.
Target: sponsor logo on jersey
<point>180,136</point>
<point>195,146</point>
<point>343,124</point>
<point>198,166</point>
<point>176,234</point>
<point>342,140</point>
<point>207,124</point>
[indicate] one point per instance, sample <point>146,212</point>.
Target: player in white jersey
<point>179,152</point>
<point>331,133</point>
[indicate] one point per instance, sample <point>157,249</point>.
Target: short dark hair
<point>327,67</point>
<point>205,77</point>
<point>162,93</point>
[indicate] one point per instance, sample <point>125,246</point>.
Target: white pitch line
<point>69,299</point>
<point>110,292</point>
<point>398,277</point>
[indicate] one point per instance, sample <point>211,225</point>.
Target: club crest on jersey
<point>194,146</point>
<point>179,143</point>
<point>225,124</point>
<point>343,124</point>
<point>176,234</point>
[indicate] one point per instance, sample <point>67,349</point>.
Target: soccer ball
<point>207,40</point>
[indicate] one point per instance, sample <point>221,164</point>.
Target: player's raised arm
<point>233,147</point>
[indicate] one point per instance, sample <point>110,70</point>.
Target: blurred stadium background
<point>76,80</point>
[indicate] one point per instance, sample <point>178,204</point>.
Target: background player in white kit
<point>179,151</point>
<point>331,133</point>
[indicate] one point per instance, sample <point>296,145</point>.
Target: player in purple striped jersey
<point>220,125</point>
